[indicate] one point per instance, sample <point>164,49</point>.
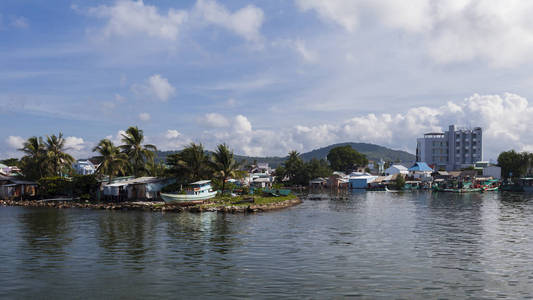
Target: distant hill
<point>372,152</point>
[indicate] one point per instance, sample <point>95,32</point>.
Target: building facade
<point>452,150</point>
<point>84,167</point>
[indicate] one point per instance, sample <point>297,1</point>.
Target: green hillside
<point>372,152</point>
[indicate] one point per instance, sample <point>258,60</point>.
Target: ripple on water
<point>371,245</point>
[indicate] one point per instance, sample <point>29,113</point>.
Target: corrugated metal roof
<point>421,167</point>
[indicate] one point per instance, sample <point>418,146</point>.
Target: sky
<point>265,77</point>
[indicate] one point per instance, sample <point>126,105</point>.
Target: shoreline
<point>158,206</point>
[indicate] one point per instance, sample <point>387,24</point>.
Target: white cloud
<point>506,121</point>
<point>172,134</point>
<point>117,139</point>
<point>156,86</point>
<point>307,54</point>
<point>231,102</point>
<point>499,32</point>
<point>144,117</point>
<point>214,120</point>
<point>15,142</point>
<point>74,143</point>
<point>119,98</point>
<point>242,125</point>
<point>20,22</point>
<point>128,18</point>
<point>245,22</point>
<point>108,105</point>
<point>160,87</point>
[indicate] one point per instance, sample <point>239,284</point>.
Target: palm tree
<point>191,162</point>
<point>55,153</point>
<point>138,154</point>
<point>33,162</point>
<point>112,161</point>
<point>155,169</point>
<point>293,167</point>
<point>224,164</point>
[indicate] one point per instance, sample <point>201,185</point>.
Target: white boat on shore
<point>199,190</point>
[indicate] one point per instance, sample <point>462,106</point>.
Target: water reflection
<point>46,233</point>
<point>127,236</point>
<point>371,245</point>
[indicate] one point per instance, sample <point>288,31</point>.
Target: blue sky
<point>265,76</point>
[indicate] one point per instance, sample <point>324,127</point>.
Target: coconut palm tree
<point>56,156</point>
<point>32,163</point>
<point>138,154</point>
<point>224,164</point>
<point>294,168</point>
<point>191,163</point>
<point>112,161</point>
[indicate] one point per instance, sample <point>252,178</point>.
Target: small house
<point>13,188</point>
<point>396,169</point>
<point>359,180</point>
<point>142,188</point>
<point>318,182</point>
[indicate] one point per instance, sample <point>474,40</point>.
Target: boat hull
<point>186,198</point>
<point>459,190</point>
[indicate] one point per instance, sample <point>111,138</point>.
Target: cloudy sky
<point>265,76</point>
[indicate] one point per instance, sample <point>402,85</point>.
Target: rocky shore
<point>158,206</point>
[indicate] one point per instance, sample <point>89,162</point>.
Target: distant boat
<point>199,190</point>
<point>526,184</point>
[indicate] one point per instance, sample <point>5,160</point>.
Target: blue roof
<point>420,166</point>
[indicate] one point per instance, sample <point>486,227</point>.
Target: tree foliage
<point>191,164</point>
<point>33,163</point>
<point>138,153</point>
<point>298,172</point>
<point>515,164</point>
<point>58,160</point>
<point>399,182</point>
<point>11,162</point>
<point>224,164</point>
<point>345,158</point>
<point>112,161</point>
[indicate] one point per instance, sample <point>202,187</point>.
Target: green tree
<point>514,164</point>
<point>295,169</point>
<point>224,164</point>
<point>156,169</point>
<point>11,162</point>
<point>317,168</point>
<point>138,153</point>
<point>56,157</point>
<point>191,163</point>
<point>399,182</point>
<point>112,161</point>
<point>33,162</point>
<point>345,158</point>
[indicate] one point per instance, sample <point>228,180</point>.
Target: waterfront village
<point>131,176</point>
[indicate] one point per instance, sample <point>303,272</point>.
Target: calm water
<point>373,245</point>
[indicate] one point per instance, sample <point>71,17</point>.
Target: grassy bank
<point>245,200</point>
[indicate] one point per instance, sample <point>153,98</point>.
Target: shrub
<point>54,186</point>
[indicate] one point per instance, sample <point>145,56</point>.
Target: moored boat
<point>527,184</point>
<point>199,190</point>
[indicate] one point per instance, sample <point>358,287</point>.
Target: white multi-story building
<point>84,167</point>
<point>452,150</point>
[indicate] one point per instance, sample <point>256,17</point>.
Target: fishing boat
<point>460,187</point>
<point>196,191</point>
<point>527,184</point>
